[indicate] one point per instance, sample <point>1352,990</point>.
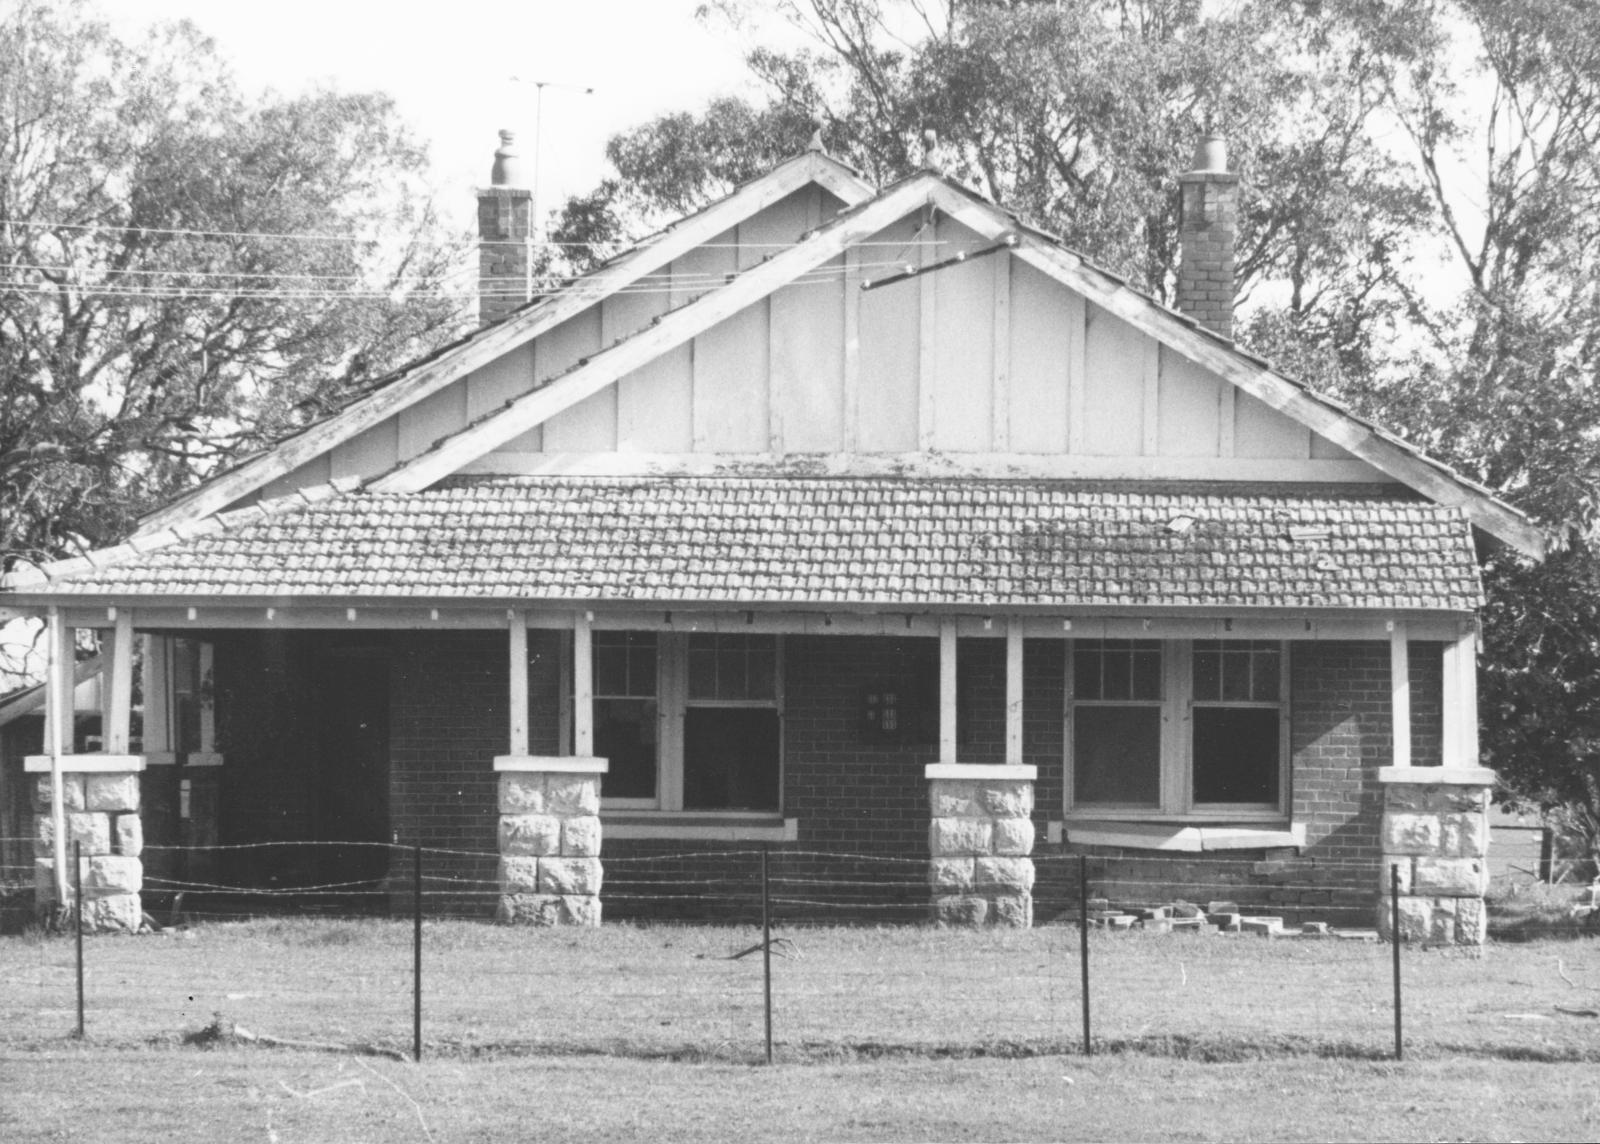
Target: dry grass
<point>678,993</point>
<point>650,1033</point>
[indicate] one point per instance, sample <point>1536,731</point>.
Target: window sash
<point>673,703</point>
<point>1177,751</point>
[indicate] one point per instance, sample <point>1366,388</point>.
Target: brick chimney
<point>505,217</point>
<point>1208,223</point>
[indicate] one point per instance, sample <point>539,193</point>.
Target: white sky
<point>449,69</point>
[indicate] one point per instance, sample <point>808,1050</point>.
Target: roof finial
<point>816,145</point>
<point>933,157</point>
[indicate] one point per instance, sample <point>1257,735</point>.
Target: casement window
<point>1163,728</point>
<point>689,722</point>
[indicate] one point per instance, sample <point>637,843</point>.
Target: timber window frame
<point>707,687</point>
<point>1136,726</point>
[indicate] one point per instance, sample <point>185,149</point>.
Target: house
<point>832,519</point>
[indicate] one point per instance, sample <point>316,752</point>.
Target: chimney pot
<point>1211,155</point>
<point>507,169</point>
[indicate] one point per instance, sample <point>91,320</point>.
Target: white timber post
<point>583,685</point>
<point>58,740</point>
<point>1459,732</point>
<point>518,629</point>
<point>1013,691</point>
<point>980,833</point>
<point>157,679</point>
<point>947,691</point>
<point>1400,690</point>
<point>1435,819</point>
<point>550,870</point>
<point>93,800</point>
<point>117,675</point>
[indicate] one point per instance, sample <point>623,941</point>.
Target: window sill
<point>708,826</point>
<point>1189,837</point>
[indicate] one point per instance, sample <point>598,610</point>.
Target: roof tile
<point>837,540</point>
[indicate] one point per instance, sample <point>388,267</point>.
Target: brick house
<point>834,519</point>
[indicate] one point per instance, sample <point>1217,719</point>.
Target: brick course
<point>853,795</point>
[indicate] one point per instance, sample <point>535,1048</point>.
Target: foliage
<point>163,306</point>
<point>1420,231</point>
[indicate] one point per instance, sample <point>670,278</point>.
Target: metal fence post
<point>1083,945</point>
<point>77,921</point>
<point>416,953</point>
<point>766,949</point>
<point>1394,934</point>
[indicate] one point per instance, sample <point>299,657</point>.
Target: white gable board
<point>1014,359</point>
<point>984,359</point>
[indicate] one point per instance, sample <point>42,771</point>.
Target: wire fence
<point>801,955</point>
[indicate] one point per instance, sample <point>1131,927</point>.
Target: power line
<point>663,284</point>
<point>313,236</point>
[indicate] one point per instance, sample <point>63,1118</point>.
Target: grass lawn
<point>893,1034</point>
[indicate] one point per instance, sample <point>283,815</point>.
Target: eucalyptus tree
<point>186,273</point>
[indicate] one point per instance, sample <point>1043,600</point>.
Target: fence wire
<point>264,937</point>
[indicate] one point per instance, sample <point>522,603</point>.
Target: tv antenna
<point>538,122</point>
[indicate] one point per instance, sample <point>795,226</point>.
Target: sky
<point>450,69</point>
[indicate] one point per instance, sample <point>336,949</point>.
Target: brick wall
<point>862,803</point>
<point>266,733</point>
<point>450,718</point>
<point>1340,734</point>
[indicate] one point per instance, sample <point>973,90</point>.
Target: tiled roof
<point>827,540</point>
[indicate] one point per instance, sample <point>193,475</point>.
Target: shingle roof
<point>828,540</point>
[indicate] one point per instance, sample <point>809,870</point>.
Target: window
<point>626,714</point>
<point>1167,727</point>
<point>688,722</point>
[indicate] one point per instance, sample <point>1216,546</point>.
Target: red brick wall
<point>862,804</point>
<point>1340,734</point>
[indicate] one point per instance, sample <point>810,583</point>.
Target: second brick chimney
<point>1208,224</point>
<point>505,217</point>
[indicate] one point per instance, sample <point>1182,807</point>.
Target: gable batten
<point>962,344</point>
<point>888,405</point>
<point>429,375</point>
<point>1113,387</point>
<point>1189,407</point>
<point>690,322</point>
<point>1045,360</point>
<point>590,425</point>
<point>653,403</point>
<point>1000,433</point>
<point>807,365</point>
<point>850,413</point>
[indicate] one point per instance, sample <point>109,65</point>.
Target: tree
<point>185,274</point>
<point>1420,233</point>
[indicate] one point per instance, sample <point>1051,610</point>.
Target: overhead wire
<point>645,285</point>
<point>312,236</point>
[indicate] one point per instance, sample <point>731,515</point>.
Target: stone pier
<point>1436,830</point>
<point>980,839</point>
<point>100,803</point>
<point>550,869</point>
